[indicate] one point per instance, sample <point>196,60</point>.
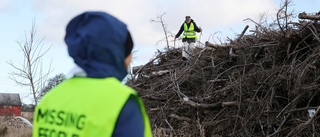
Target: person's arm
<point>180,31</point>
<point>130,120</point>
<point>196,28</point>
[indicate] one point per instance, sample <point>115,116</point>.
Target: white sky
<point>224,16</point>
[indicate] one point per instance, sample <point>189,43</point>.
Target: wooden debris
<point>263,85</point>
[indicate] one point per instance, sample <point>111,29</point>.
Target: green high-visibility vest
<point>189,32</point>
<point>84,107</point>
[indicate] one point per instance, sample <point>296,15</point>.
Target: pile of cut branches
<point>262,84</point>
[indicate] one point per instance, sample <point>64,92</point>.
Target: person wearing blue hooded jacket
<point>94,103</point>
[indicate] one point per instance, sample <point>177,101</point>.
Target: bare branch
<point>164,28</point>
<point>30,73</point>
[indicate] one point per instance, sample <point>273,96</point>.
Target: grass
<point>16,132</point>
<point>8,130</point>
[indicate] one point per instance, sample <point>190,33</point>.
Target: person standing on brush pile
<point>94,103</point>
<point>189,37</point>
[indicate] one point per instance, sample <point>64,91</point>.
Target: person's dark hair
<point>129,45</point>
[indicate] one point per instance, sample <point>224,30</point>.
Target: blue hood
<point>96,42</point>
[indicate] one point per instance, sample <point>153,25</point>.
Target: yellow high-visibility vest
<point>84,107</point>
<point>189,32</point>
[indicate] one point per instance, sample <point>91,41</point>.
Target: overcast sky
<point>51,17</point>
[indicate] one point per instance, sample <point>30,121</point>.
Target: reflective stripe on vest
<point>189,32</point>
<point>84,107</point>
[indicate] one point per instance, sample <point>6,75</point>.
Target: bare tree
<point>166,32</point>
<point>31,72</point>
<point>52,82</point>
<point>284,16</point>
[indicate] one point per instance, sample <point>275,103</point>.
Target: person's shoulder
<point>128,88</point>
<point>118,84</point>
